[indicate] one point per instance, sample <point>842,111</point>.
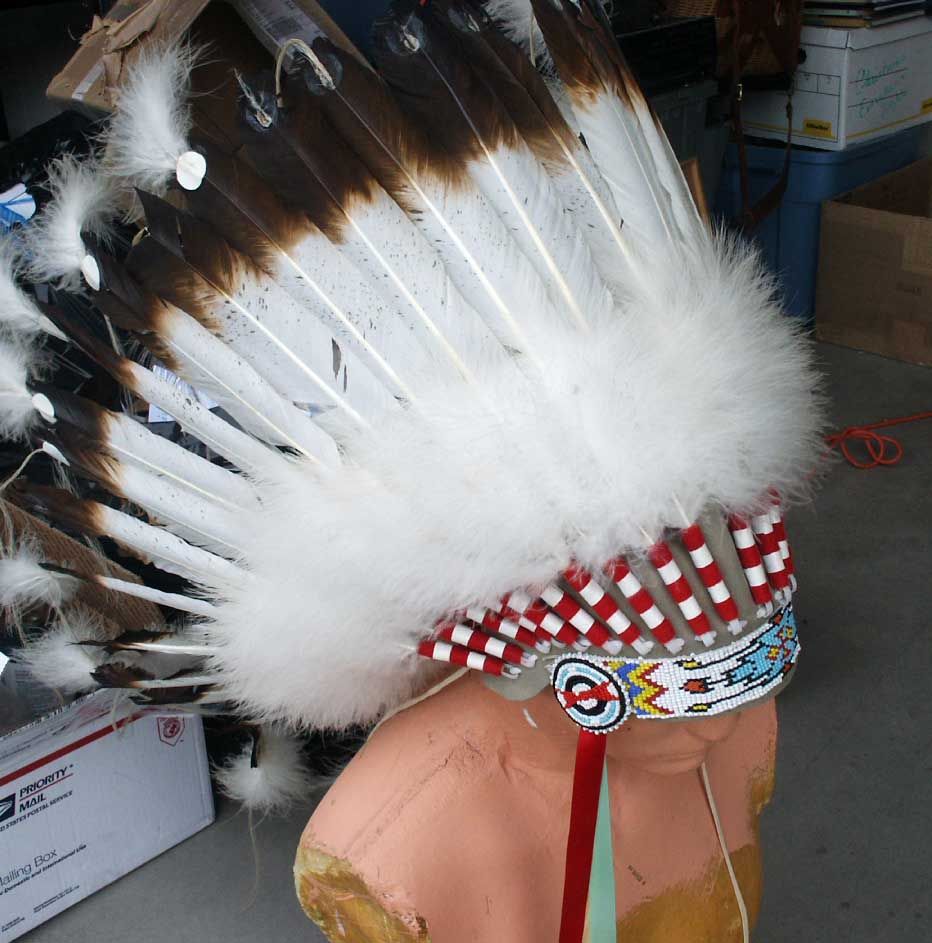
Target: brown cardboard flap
<point>875,267</point>
<point>906,192</point>
<point>91,79</point>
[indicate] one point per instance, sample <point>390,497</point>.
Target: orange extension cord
<point>881,449</point>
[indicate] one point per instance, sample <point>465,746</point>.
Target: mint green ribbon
<point>601,911</point>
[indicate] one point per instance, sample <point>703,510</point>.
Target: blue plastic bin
<point>789,237</point>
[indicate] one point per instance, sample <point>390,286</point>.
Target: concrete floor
<point>847,839</point>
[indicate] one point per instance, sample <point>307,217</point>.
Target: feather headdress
<point>487,367</point>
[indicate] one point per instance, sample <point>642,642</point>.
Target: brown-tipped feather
<point>86,455</point>
<point>243,209</point>
<point>322,181</point>
<point>132,307</point>
<point>121,676</point>
<point>184,261</point>
<point>594,21</point>
<point>422,81</point>
<point>560,24</point>
<point>105,357</point>
<point>515,79</point>
<point>84,415</point>
<point>365,114</point>
<point>76,516</point>
<point>597,40</point>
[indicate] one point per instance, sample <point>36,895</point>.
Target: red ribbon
<point>587,783</point>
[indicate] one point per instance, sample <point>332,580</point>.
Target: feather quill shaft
<point>155,684</point>
<point>196,607</point>
<point>150,544</point>
<point>156,643</point>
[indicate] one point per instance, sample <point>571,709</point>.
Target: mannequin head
<point>536,732</point>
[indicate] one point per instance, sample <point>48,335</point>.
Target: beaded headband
<point>599,693</point>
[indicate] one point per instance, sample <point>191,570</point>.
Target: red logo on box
<point>170,729</point>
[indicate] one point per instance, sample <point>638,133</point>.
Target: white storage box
<point>853,86</point>
<point>87,794</point>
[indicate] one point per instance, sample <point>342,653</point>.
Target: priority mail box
<point>88,793</point>
<point>854,85</point>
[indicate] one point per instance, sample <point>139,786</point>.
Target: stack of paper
<point>853,14</point>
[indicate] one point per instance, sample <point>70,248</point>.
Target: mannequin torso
<point>450,825</point>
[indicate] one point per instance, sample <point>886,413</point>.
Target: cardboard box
<point>90,81</point>
<point>854,85</point>
<point>88,793</point>
<point>875,267</point>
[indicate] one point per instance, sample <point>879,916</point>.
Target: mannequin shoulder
<point>405,769</point>
<point>406,821</point>
<point>438,753</point>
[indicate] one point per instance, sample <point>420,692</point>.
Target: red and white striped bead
<point>508,627</point>
<point>539,615</point>
<point>779,528</point>
<point>539,633</point>
<point>457,655</point>
<point>751,563</point>
<point>602,604</point>
<point>681,592</point>
<point>770,554</point>
<point>620,574</point>
<point>694,541</point>
<point>568,609</point>
<point>477,641</point>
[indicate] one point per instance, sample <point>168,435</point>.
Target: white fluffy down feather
<point>701,392</point>
<point>279,778</point>
<point>56,659</point>
<point>149,129</point>
<point>23,582</point>
<point>18,313</point>
<point>83,200</point>
<point>18,360</point>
